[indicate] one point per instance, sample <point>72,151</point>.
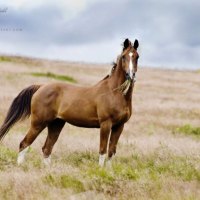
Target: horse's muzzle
<point>129,76</point>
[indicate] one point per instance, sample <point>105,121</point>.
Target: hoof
<point>102,160</point>
<point>21,156</point>
<point>47,161</point>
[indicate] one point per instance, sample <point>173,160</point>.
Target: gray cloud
<point>38,25</point>
<point>168,31</point>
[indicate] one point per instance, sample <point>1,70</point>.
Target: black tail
<point>19,109</point>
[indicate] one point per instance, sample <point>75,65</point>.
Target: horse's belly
<point>79,112</point>
<point>83,122</point>
<point>81,119</point>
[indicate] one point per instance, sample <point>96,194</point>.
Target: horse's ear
<point>136,44</point>
<point>127,43</point>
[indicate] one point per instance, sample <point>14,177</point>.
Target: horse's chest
<point>121,115</point>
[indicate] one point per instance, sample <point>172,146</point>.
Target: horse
<point>106,105</point>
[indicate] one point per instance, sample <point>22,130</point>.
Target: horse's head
<point>129,58</point>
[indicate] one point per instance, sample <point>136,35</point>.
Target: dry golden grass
<point>153,160</point>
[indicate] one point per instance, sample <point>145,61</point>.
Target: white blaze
<point>131,64</point>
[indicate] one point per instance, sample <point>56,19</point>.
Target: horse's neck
<point>117,79</point>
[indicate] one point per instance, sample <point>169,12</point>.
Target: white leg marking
<point>21,156</point>
<point>47,161</point>
<point>102,160</point>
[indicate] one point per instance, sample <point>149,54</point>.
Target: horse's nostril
<point>128,76</point>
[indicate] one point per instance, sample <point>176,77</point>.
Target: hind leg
<point>33,132</point>
<point>54,129</point>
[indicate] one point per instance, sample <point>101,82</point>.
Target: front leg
<point>115,134</point>
<point>105,128</point>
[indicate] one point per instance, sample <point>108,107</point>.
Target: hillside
<point>158,152</point>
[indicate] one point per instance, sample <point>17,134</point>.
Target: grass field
<point>158,155</point>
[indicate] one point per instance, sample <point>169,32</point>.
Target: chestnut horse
<point>106,105</point>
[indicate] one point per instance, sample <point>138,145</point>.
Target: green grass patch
<point>21,60</point>
<point>54,76</point>
<point>7,157</point>
<point>165,163</point>
<point>5,59</point>
<point>138,168</point>
<point>78,159</point>
<point>64,181</point>
<point>146,172</point>
<point>188,130</point>
<point>162,162</point>
<point>155,165</point>
<point>101,175</point>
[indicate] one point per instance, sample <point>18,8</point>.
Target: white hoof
<point>47,161</point>
<point>21,156</point>
<point>102,160</point>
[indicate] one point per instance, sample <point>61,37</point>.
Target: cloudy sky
<point>93,30</point>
